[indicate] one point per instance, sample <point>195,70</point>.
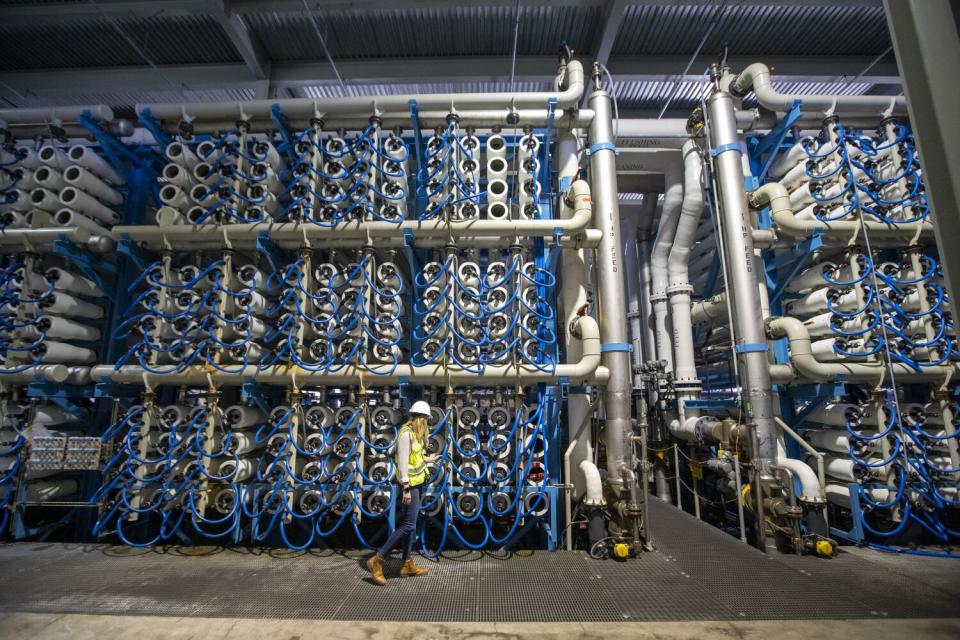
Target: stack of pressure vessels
<point>58,187</point>
<point>23,481</point>
<point>50,315</point>
<point>878,299</point>
<point>478,316</point>
<point>309,470</point>
<point>313,462</point>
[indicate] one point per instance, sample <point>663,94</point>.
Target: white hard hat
<point>420,408</point>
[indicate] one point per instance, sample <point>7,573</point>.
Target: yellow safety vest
<point>417,473</point>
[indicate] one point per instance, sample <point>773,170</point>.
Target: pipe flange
<point>594,503</point>
<point>680,288</point>
<point>658,296</point>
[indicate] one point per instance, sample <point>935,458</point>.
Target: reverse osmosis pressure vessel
<point>84,203</point>
<point>85,180</point>
<point>54,157</point>
<point>88,159</point>
<point>68,218</point>
<point>49,178</point>
<point>64,280</point>
<point>239,416</point>
<point>182,155</point>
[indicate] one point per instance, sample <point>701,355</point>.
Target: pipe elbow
<point>772,193</point>
<point>576,83</point>
<point>810,490</point>
<point>750,78</point>
<point>591,474</point>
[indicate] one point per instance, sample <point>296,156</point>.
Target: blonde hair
<point>418,425</point>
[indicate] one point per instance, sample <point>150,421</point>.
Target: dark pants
<point>406,528</point>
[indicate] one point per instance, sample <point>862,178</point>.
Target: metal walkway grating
<point>697,573</point>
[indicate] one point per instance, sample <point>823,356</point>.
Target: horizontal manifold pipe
<point>573,228</point>
<point>807,367</point>
<point>49,115</point>
<point>29,239</point>
<point>50,372</point>
<point>309,108</point>
<point>756,78</point>
<point>482,119</point>
<point>777,197</point>
<point>586,371</point>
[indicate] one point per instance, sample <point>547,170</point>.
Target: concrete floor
<point>40,626</point>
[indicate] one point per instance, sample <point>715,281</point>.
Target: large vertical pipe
<point>573,296</point>
<point>647,214</point>
<point>659,260</point>
<point>612,311</point>
<point>655,434</point>
<point>751,343</point>
<point>679,289</point>
<point>631,263</point>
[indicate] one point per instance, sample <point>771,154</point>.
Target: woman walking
<point>411,468</point>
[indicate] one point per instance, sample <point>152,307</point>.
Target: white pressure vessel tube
<point>69,218</point>
<point>88,205</point>
<point>54,157</point>
<point>88,159</point>
<point>86,180</point>
<point>181,154</point>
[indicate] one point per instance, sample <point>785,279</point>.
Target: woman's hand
<point>433,459</point>
<point>406,498</point>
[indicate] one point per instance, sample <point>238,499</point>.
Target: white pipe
<point>14,220</point>
<point>806,366</point>
<point>710,310</point>
<point>575,225</point>
<point>778,198</point>
<point>811,492</point>
<point>181,154</point>
<point>63,303</point>
<point>64,280</point>
<point>29,158</point>
<point>77,176</point>
<point>571,73</point>
<point>48,177</point>
<point>54,157</point>
<point>70,218</point>
<point>88,205</point>
<point>46,115</point>
<point>176,174</point>
<point>22,201</point>
<point>586,370</point>
<point>65,329</point>
<point>568,494</point>
<point>593,482</point>
<point>87,158</point>
<point>659,260</point>
<point>756,77</point>
<point>679,289</point>
<point>45,199</point>
<point>647,215</point>
<point>573,299</point>
<point>173,196</point>
<point>55,352</point>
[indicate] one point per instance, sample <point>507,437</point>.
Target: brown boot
<point>375,564</point>
<point>411,569</point>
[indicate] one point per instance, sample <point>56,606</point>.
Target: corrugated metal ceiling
<point>358,34</point>
<point>98,43</point>
<point>805,29</point>
<point>404,33</point>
